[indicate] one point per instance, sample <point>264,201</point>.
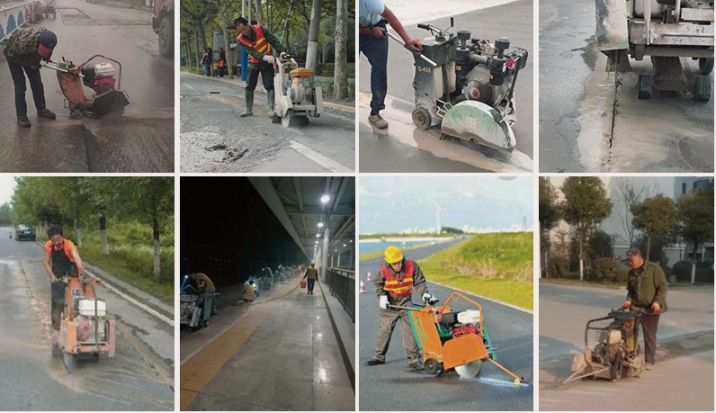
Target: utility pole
<point>312,52</point>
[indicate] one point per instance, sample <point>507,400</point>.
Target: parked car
<point>163,25</point>
<point>24,233</point>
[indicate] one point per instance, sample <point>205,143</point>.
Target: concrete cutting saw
<point>467,85</point>
<point>616,352</point>
<point>103,75</point>
<point>296,95</point>
<point>450,339</point>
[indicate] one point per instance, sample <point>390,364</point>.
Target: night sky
<point>228,232</point>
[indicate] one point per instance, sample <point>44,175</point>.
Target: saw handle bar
<point>589,327</point>
<point>402,43</point>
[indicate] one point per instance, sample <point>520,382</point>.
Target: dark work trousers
<point>57,303</point>
<point>649,323</point>
<point>18,79</point>
<point>266,71</point>
<point>311,284</point>
<point>376,51</point>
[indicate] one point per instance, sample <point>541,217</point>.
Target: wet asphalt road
<point>141,141</point>
<point>394,386</point>
<point>33,380</point>
<point>684,359</point>
<point>669,133</point>
<point>215,139</point>
<point>417,151</point>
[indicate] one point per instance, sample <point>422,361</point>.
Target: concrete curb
<point>346,352</point>
<point>332,105</point>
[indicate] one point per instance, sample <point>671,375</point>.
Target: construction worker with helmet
<point>394,285</point>
<point>260,45</point>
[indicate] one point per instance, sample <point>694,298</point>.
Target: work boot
<point>414,364</point>
<point>46,113</point>
<point>249,104</point>
<point>272,104</point>
<point>377,121</point>
<point>649,366</point>
<point>374,362</point>
<point>23,121</point>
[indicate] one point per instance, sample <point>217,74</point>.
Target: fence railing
<point>341,284</point>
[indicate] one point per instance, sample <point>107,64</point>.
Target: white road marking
<point>132,300</point>
<point>318,158</point>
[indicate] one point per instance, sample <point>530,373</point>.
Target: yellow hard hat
<point>393,254</point>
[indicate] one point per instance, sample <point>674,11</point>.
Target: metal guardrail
<point>342,284</point>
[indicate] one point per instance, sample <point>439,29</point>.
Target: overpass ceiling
<point>296,201</point>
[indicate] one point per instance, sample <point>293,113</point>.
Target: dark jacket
<point>647,285</point>
<point>21,48</point>
<point>311,274</point>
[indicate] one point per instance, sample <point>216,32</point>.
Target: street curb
<point>512,306</point>
<point>335,106</point>
<point>350,368</point>
<point>140,297</point>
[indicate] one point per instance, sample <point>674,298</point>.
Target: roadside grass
<point>497,266</point>
<point>130,257</point>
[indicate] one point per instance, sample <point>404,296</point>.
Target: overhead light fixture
<point>344,245</point>
<point>325,199</point>
<point>320,225</point>
<point>318,235</point>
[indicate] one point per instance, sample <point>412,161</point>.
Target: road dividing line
<point>132,300</point>
<point>318,158</point>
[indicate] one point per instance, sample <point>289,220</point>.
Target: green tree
<point>151,201</point>
<point>695,212</point>
<point>585,205</point>
<point>549,216</point>
<point>5,215</point>
<point>656,217</point>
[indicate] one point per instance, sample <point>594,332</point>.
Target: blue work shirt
<point>369,12</point>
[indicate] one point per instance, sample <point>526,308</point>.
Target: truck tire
<point>645,86</point>
<point>702,92</point>
<point>706,65</point>
<point>165,37</point>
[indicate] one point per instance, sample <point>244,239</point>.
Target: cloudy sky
<point>398,203</point>
<point>7,187</point>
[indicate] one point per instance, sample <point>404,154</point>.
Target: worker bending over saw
<point>205,288</point>
<point>394,286</point>
<point>259,44</point>
<point>373,16</point>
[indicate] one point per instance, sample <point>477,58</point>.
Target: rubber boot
<point>249,104</point>
<point>271,97</point>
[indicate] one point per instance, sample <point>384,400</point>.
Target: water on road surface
<point>395,386</point>
<point>140,141</point>
<point>684,358</point>
<point>668,133</point>
<point>409,150</point>
<point>33,380</point>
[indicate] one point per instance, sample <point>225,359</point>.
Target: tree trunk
<point>202,33</point>
<point>581,258</point>
<point>196,47</point>
<point>156,250</point>
<point>546,263</point>
<point>79,233</point>
<point>312,53</point>
<point>340,73</point>
<point>259,15</point>
<point>103,234</point>
<point>229,54</point>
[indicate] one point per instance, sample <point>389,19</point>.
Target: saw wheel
<point>469,370</point>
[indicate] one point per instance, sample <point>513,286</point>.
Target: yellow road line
<point>199,370</point>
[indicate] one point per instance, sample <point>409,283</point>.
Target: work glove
<point>429,299</point>
<point>269,59</point>
<point>383,302</point>
<point>282,55</point>
<point>627,304</point>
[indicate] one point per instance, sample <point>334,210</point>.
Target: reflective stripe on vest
<point>399,286</point>
<point>260,44</point>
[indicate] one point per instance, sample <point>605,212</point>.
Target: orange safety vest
<point>67,247</point>
<point>400,285</point>
<point>260,44</point>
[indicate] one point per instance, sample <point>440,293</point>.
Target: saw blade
<point>470,370</point>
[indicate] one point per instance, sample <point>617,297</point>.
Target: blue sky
<point>397,203</point>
